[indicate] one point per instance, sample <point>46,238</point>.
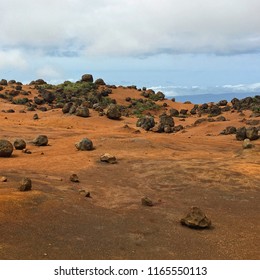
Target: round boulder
<point>113,112</point>
<point>87,78</point>
<point>241,134</point>
<point>19,144</point>
<point>252,133</point>
<point>196,219</point>
<point>82,112</point>
<point>41,140</point>
<point>100,82</point>
<point>6,148</point>
<point>146,122</point>
<point>84,145</point>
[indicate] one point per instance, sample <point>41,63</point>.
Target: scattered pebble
<point>147,201</point>
<point>3,179</point>
<point>74,178</point>
<point>25,185</point>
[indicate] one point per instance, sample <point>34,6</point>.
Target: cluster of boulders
<point>166,124</point>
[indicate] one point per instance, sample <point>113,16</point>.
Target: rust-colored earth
<point>193,167</point>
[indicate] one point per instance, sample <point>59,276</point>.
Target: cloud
<point>48,72</point>
<point>132,27</point>
<point>12,59</point>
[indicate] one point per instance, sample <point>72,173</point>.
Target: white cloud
<point>12,59</point>
<point>132,27</point>
<point>48,72</point>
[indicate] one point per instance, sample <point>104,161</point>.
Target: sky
<point>180,43</point>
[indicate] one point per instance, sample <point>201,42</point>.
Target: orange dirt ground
<point>194,167</point>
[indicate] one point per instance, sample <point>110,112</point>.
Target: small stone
<point>26,151</point>
<point>35,117</point>
<point>196,219</point>
<point>108,158</point>
<point>25,185</point>
<point>3,179</point>
<point>74,178</point>
<point>247,144</point>
<point>147,201</point>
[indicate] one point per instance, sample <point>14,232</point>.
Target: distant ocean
<point>198,94</point>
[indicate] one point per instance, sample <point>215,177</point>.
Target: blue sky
<point>144,42</point>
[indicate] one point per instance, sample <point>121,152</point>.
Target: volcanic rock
<point>241,134</point>
<point>87,78</point>
<point>19,144</point>
<point>196,219</point>
<point>252,133</point>
<point>113,112</point>
<point>25,185</point>
<point>41,140</point>
<point>146,122</point>
<point>229,130</point>
<point>82,111</point>
<point>6,148</point>
<point>100,82</point>
<point>84,145</point>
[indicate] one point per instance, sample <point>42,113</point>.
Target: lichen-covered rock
<point>6,148</point>
<point>196,219</point>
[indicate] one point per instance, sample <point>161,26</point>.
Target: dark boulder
<point>6,148</point>
<point>84,145</point>
<point>241,134</point>
<point>48,96</point>
<point>146,122</point>
<point>113,112</point>
<point>19,144</point>
<point>41,140</point>
<point>82,112</point>
<point>252,133</point>
<point>174,112</point>
<point>87,78</point>
<point>184,112</point>
<point>100,82</point>
<point>214,110</point>
<point>66,107</point>
<point>229,130</point>
<point>222,103</point>
<point>3,82</point>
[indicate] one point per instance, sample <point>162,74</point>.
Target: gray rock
<point>6,148</point>
<point>196,219</point>
<point>66,107</point>
<point>25,185</point>
<point>19,144</point>
<point>41,140</point>
<point>84,145</point>
<point>229,130</point>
